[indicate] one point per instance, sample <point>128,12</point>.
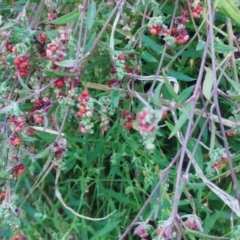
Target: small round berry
<point>2,195</point>
<point>231,133</point>
<point>85,94</point>
<point>121,57</point>
<point>164,114</point>
<point>224,159</point>
<point>217,165</point>
<point>17,142</point>
<point>59,83</point>
<point>82,109</point>
<point>153,31</point>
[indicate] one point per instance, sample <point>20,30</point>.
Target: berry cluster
<point>233,132</point>
<point>142,233</point>
<point>147,122</point>
<point>125,64</point>
<point>40,105</point>
<point>85,112</point>
<point>218,158</point>
<point>113,84</point>
<point>9,47</point>
<point>18,123</point>
<point>59,148</point>
<point>22,66</point>
<point>3,195</point>
<point>178,32</point>
<point>191,223</point>
<point>106,110</point>
<point>162,234</point>
<point>19,236</point>
<point>127,118</point>
<point>40,43</point>
<point>14,140</point>
<point>18,169</point>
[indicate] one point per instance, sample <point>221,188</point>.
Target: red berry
<point>121,57</point>
<point>19,237</point>
<point>180,41</point>
<point>128,125</point>
<point>113,71</point>
<point>59,83</point>
<point>53,48</point>
<point>42,38</point>
<point>17,142</point>
<point>38,119</point>
<point>23,65</point>
<point>85,94</point>
<point>224,159</point>
<point>195,15</point>
<point>82,109</point>
<point>153,31</point>
<point>23,73</point>
<point>3,195</point>
<point>17,61</point>
<point>79,114</point>
<point>231,133</point>
<point>164,114</point>
<point>217,165</point>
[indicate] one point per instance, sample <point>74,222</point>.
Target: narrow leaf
<point>90,43</point>
<point>91,15</point>
<point>208,84</point>
<point>148,42</point>
<point>180,76</point>
<point>229,9</point>
<point>157,92</point>
<point>70,17</point>
<point>185,94</point>
<point>148,57</point>
<point>7,26</point>
<point>182,119</point>
<point>169,87</point>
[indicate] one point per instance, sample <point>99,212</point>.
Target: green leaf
<point>3,175</point>
<point>200,46</point>
<point>180,76</point>
<point>53,74</point>
<point>182,119</point>
<point>7,108</point>
<point>229,9</point>
<point>192,53</point>
<point>152,44</point>
<point>157,92</point>
<point>148,57</point>
<point>42,154</point>
<point>213,138</point>
<point>90,43</point>
<point>28,139</point>
<point>70,17</point>
<point>118,196</point>
<point>219,47</point>
<point>169,87</point>
<point>208,84</point>
<point>185,94</point>
<point>91,15</point>
<point>25,107</point>
<point>115,98</point>
<point>198,154</point>
<point>66,63</point>
<point>10,24</point>
<point>210,221</point>
<point>108,228</point>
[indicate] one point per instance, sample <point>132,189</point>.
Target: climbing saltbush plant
<point>119,119</point>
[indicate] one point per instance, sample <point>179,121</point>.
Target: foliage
<point>119,119</point>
